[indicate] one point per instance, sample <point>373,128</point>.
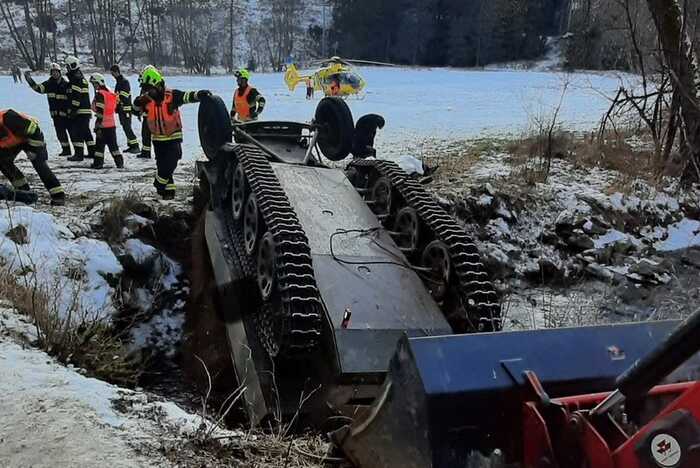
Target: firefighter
<point>19,132</point>
<point>309,88</point>
<point>123,89</point>
<point>248,103</point>
<point>55,89</point>
<point>365,132</point>
<point>105,107</point>
<point>145,132</point>
<point>160,110</point>
<point>79,111</point>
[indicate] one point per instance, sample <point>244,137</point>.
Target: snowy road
<point>416,103</point>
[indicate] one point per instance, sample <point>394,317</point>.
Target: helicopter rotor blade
<point>371,62</point>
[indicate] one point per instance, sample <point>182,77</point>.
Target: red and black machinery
<point>622,396</point>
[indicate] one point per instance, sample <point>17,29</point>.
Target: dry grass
<point>74,336</point>
<point>257,449</point>
<point>116,212</point>
<point>536,145</point>
<point>611,153</point>
<point>456,158</point>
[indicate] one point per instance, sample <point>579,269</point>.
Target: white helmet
<point>97,79</point>
<point>72,63</point>
<point>54,66</point>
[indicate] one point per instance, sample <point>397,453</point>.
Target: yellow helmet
<point>98,79</point>
<point>243,73</point>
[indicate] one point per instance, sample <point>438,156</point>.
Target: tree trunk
<point>72,27</point>
<point>682,63</point>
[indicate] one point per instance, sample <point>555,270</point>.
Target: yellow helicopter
<point>335,77</point>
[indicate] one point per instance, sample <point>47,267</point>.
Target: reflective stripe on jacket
<point>10,139</point>
<point>105,108</point>
<point>241,104</point>
<point>164,124</point>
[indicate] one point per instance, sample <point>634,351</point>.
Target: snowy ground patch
<point>468,104</point>
<point>681,235</point>
<point>49,256</point>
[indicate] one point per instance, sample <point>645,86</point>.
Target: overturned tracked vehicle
<point>319,270</point>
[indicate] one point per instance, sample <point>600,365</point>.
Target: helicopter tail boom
<point>293,78</point>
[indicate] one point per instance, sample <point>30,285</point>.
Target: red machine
<point>504,400</point>
<point>636,426</point>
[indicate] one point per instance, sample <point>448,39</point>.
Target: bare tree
<point>282,26</point>
<point>102,16</point>
<point>30,38</point>
<point>194,34</point>
<point>681,60</point>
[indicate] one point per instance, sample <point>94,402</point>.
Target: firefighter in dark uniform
<point>19,132</point>
<point>55,89</point>
<point>79,111</point>
<point>145,131</point>
<point>123,90</point>
<point>363,137</point>
<point>161,112</point>
<point>105,107</point>
<point>248,103</point>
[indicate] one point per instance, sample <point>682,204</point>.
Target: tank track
<point>473,289</point>
<point>290,322</point>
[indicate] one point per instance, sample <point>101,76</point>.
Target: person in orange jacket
<point>104,105</point>
<point>20,132</point>
<point>160,107</point>
<point>248,103</point>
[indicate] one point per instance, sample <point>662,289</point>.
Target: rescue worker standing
<point>309,88</point>
<point>55,88</point>
<point>105,107</point>
<point>123,90</point>
<point>248,103</point>
<point>79,111</point>
<point>140,113</point>
<point>161,112</point>
<point>19,132</point>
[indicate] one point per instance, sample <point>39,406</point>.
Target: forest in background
<point>264,34</point>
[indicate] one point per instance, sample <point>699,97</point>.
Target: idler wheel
<point>251,225</point>
<point>238,192</point>
<point>336,128</point>
<point>380,197</point>
<point>214,124</point>
<point>266,265</point>
<point>436,256</point>
<point>407,229</point>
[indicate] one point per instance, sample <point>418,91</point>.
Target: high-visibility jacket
<point>241,103</point>
<point>123,89</point>
<point>105,106</point>
<point>247,105</point>
<point>78,94</point>
<point>163,119</point>
<point>56,93</point>
<point>17,129</point>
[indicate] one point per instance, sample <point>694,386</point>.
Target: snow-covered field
<point>416,103</point>
<point>55,416</point>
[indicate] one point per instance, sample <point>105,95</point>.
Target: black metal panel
<point>379,296</point>
<point>368,351</point>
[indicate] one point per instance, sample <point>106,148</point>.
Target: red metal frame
<point>562,426</point>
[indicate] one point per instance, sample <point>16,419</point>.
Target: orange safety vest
<point>110,102</point>
<point>241,103</point>
<point>9,139</point>
<point>163,124</point>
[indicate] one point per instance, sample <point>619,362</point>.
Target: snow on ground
<point>54,259</point>
<point>681,235</point>
<point>416,103</point>
<point>54,416</point>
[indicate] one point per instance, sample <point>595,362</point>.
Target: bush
<point>75,336</point>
